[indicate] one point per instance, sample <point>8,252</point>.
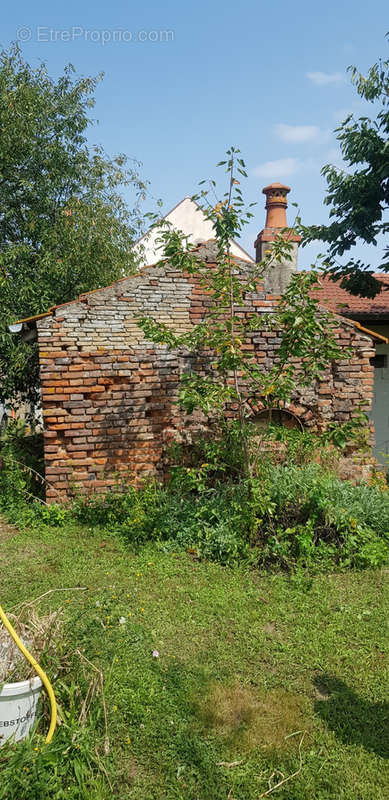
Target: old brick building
<point>109,396</point>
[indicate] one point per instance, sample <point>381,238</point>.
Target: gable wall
<point>109,397</point>
<point>188,218</point>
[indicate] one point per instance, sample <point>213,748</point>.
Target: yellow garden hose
<point>38,670</point>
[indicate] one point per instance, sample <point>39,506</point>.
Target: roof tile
<point>332,296</point>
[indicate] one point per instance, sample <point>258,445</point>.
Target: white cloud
<point>280,168</point>
<point>297,133</point>
<point>325,78</point>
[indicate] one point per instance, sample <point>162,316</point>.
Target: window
<point>379,361</point>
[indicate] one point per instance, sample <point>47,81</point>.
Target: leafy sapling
<point>232,377</point>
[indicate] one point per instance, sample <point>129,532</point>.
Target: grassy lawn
<point>258,676</point>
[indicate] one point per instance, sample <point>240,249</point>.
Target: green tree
<point>234,374</point>
<point>359,193</point>
<point>64,225</point>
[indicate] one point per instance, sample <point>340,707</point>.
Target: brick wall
<point>109,397</point>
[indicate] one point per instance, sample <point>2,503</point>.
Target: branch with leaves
<point>231,374</point>
<point>358,192</point>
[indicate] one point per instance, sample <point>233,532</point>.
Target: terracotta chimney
<point>280,273</point>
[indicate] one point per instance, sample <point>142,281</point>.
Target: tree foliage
<point>64,225</point>
<point>359,193</point>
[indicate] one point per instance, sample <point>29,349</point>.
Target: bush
<point>211,523</point>
<point>22,480</point>
<point>21,463</point>
<point>291,514</point>
<point>319,518</point>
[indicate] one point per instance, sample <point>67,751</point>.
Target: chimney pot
<point>276,204</point>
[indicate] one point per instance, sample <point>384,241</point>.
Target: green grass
<point>245,660</point>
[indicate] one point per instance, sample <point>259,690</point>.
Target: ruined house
<point>109,397</point>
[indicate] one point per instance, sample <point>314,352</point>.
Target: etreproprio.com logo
<point>44,33</point>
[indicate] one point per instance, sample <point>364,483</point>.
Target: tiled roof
<point>339,300</point>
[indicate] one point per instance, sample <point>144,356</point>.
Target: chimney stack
<point>280,273</point>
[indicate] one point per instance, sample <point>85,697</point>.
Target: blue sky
<point>268,77</point>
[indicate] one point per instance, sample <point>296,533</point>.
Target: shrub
<point>211,523</point>
<point>290,514</point>
<point>21,463</point>
<point>319,518</point>
<point>22,480</point>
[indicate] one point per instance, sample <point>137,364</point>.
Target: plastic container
<point>18,708</point>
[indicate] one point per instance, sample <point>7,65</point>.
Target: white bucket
<point>18,708</point>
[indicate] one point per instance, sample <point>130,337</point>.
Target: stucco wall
<point>188,218</point>
<point>109,397</point>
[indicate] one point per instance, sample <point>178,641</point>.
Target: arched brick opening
<point>289,415</point>
<point>277,416</point>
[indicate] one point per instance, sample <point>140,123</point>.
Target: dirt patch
<point>251,718</point>
<point>6,531</point>
<point>130,768</point>
<point>321,691</point>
